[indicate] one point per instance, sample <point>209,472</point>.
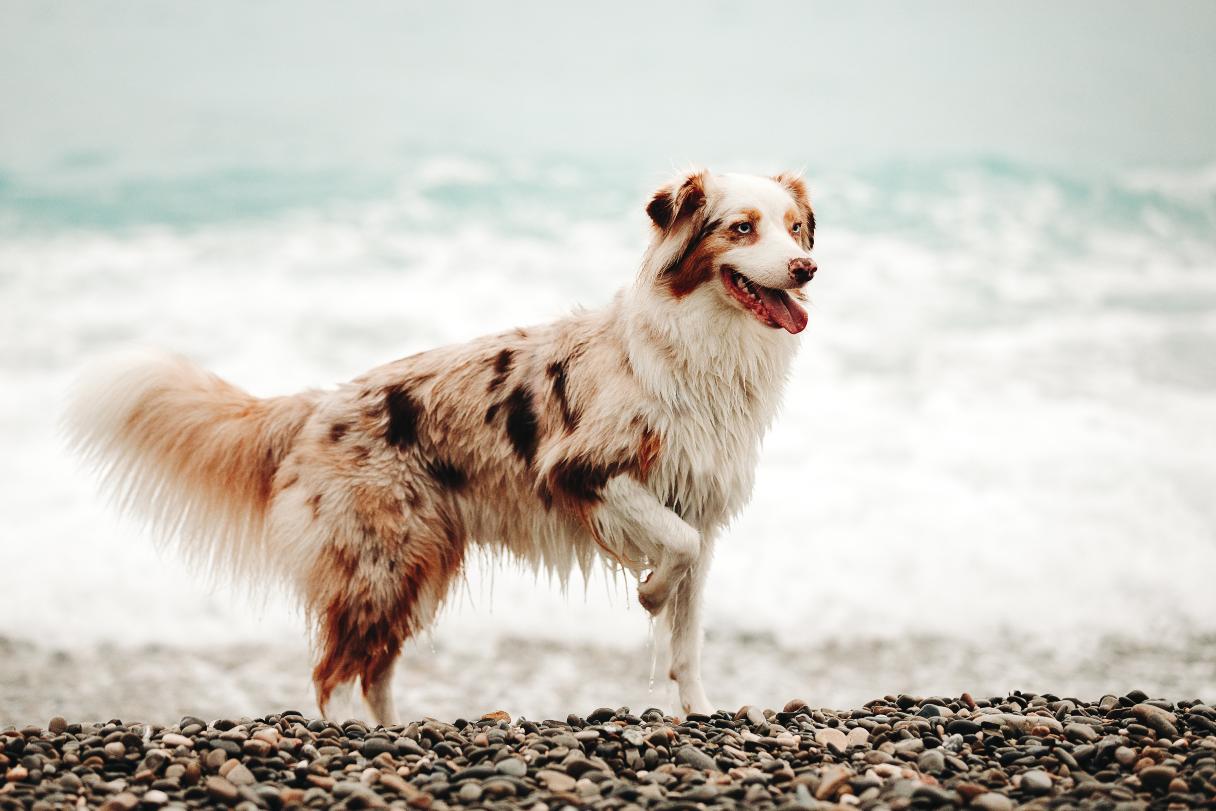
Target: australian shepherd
<point>629,434</point>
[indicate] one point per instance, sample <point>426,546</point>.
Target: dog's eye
<point>742,227</point>
<point>796,228</point>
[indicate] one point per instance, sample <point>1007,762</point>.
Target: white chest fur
<point>713,394</point>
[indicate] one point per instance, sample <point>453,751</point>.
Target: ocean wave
<point>1000,420</point>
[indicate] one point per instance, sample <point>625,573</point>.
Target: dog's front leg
<point>630,515</point>
<point>683,620</point>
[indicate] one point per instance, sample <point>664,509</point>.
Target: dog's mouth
<point>772,307</point>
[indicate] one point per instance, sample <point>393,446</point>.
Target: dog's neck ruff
<point>691,353</point>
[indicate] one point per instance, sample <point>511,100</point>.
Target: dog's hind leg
<point>378,691</point>
<point>683,620</point>
<point>369,596</point>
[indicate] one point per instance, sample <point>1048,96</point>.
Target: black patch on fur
<point>582,480</point>
<point>337,431</point>
<point>403,415</point>
<point>522,427</point>
<point>502,369</point>
<point>557,373</point>
<point>491,412</point>
<point>447,474</point>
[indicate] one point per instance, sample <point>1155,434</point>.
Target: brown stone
<point>291,796</point>
<point>831,780</point>
<point>220,789</point>
<point>969,791</point>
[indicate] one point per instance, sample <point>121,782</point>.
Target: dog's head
<point>744,240</point>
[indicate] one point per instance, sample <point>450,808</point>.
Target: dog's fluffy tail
<point>191,452</point>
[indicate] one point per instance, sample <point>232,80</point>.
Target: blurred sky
<point>1085,84</point>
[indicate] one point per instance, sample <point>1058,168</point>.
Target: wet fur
<point>628,434</point>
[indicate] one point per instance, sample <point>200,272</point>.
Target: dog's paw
<point>653,593</point>
<point>694,700</point>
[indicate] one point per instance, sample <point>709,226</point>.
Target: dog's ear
<point>796,186</point>
<point>677,211</point>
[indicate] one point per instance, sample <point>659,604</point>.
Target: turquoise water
<point>1002,424</point>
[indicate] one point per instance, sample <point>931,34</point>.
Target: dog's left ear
<point>796,186</point>
<point>677,211</point>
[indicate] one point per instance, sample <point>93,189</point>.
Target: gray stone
<point>931,761</point>
<point>695,758</point>
<point>1036,782</point>
<point>512,766</point>
<point>239,775</point>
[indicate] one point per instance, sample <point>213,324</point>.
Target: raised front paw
<point>653,593</point>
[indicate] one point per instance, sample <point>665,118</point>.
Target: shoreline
<point>541,678</point>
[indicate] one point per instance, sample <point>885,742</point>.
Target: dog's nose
<point>802,269</point>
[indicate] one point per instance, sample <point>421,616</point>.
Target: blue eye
<point>743,227</point>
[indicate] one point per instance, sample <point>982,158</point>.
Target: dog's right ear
<point>677,211</point>
<point>677,202</point>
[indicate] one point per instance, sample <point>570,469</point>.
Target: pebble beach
<point>896,752</point>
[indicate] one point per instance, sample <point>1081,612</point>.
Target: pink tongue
<point>783,309</point>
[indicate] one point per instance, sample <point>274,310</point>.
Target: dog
<point>628,435</point>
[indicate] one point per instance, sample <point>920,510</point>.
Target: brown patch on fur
<point>557,373</point>
<point>697,265</point>
<point>290,482</point>
<point>522,426</point>
<point>314,501</point>
<point>796,186</point>
<point>648,452</point>
<point>337,431</point>
<point>404,412</point>
<point>502,369</point>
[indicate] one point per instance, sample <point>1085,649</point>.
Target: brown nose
<point>802,269</point>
